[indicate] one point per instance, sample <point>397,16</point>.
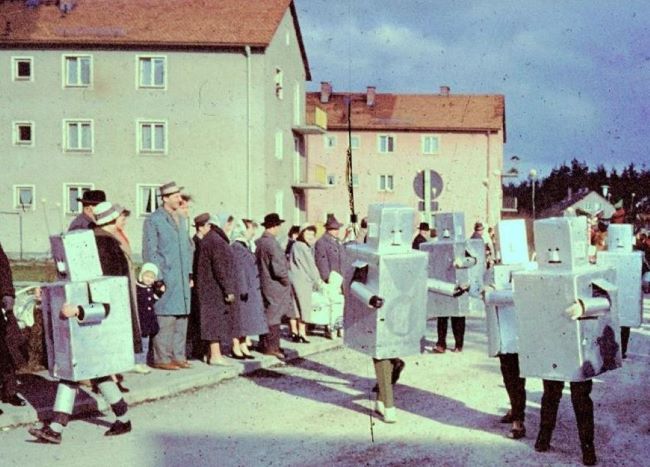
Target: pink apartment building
<point>458,139</point>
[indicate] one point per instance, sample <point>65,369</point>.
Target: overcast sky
<point>576,74</point>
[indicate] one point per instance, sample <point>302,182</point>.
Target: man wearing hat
<point>86,220</point>
<point>166,244</point>
<point>275,284</point>
<point>329,251</point>
<point>422,236</point>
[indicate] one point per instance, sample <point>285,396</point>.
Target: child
<point>148,292</point>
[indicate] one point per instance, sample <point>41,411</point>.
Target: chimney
<point>371,93</point>
<point>325,91</point>
<point>444,90</point>
<point>67,5</point>
<point>7,31</point>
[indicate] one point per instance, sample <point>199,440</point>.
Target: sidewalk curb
<point>161,384</point>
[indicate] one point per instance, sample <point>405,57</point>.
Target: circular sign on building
<point>435,185</point>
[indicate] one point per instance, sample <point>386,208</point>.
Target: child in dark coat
<point>148,292</point>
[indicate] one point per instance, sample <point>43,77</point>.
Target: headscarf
<point>238,233</point>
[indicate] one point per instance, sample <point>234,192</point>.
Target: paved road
<point>317,412</point>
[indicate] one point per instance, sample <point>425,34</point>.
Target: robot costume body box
<point>388,268</point>
<point>500,314</point>
<point>454,261</point>
<point>552,344</point>
<point>628,265</point>
<point>102,343</point>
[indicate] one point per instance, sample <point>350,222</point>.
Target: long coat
<point>304,275</point>
<point>166,244</point>
<point>274,279</point>
<point>250,319</point>
<point>215,280</point>
<point>330,256</point>
<point>11,339</point>
<point>116,262</point>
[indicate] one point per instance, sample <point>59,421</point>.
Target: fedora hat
<point>424,226</point>
<point>92,197</point>
<point>271,220</point>
<point>478,226</point>
<point>106,212</point>
<point>331,223</point>
<point>201,219</point>
<point>170,188</point>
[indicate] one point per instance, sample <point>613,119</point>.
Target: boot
<point>543,442</point>
<point>589,454</point>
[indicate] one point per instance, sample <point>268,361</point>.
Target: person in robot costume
<point>364,290</point>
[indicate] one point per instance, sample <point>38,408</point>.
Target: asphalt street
<point>317,411</point>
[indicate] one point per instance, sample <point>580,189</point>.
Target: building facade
<point>435,152</point>
<point>123,96</point>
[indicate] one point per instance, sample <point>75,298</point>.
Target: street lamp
<point>532,175</point>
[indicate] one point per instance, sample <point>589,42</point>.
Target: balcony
<point>318,180</point>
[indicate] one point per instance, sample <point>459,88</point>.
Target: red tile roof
<point>170,23</point>
<point>413,112</point>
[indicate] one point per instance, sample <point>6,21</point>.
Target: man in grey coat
<point>274,280</point>
<point>329,251</point>
<point>166,244</point>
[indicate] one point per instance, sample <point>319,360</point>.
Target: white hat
<point>148,267</point>
<point>106,212</point>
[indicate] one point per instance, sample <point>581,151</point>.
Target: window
<point>152,137</point>
<point>430,144</point>
<point>23,133</point>
<point>279,145</point>
<point>78,135</point>
<point>152,72</point>
<point>24,197</point>
<point>148,198</point>
<point>355,142</point>
<point>386,143</point>
<point>386,183</point>
<point>22,69</point>
<point>279,83</point>
<point>331,180</point>
<point>279,203</point>
<point>72,192</point>
<point>78,71</point>
<point>329,141</point>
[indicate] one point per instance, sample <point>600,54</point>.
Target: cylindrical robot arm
<point>596,305</point>
<point>494,297</point>
<point>365,295</point>
<point>465,262</point>
<point>449,289</point>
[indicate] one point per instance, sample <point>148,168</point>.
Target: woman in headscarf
<point>250,319</point>
<point>304,278</point>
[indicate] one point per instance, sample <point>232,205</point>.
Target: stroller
<point>327,307</point>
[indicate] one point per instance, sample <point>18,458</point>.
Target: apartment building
<point>435,152</point>
<point>124,95</point>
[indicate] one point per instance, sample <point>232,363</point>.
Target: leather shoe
<point>182,364</point>
<point>237,357</point>
<point>438,349</point>
<point>119,428</point>
<point>165,366</point>
<point>46,434</point>
<point>507,418</point>
<point>517,433</point>
<point>14,400</point>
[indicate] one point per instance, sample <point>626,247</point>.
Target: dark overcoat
<point>329,253</point>
<point>215,280</point>
<point>274,279</point>
<point>11,339</point>
<point>250,319</point>
<point>146,300</point>
<point>114,262</point>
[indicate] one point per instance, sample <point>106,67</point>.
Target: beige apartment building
<point>124,95</point>
<point>452,144</point>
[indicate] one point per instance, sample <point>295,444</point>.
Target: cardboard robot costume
<point>573,304</point>
<point>385,298</point>
<point>387,274</point>
<point>455,265</point>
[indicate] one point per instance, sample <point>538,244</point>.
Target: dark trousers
<point>457,327</point>
<point>515,385</point>
<point>270,342</point>
<point>7,368</point>
<point>583,408</point>
<point>625,338</point>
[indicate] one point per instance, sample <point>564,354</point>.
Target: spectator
<point>305,279</point>
<point>216,291</point>
<point>10,337</point>
<point>196,345</point>
<point>329,251</point>
<point>422,236</point>
<point>618,217</point>
<point>274,280</point>
<point>166,244</point>
<point>293,235</point>
<point>250,320</point>
<point>148,293</point>
<point>86,220</point>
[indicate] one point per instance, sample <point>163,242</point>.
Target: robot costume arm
<point>448,289</point>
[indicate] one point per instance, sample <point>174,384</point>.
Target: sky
<point>575,74</point>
